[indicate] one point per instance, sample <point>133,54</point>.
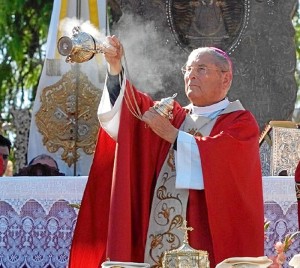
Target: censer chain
<point>132,106</point>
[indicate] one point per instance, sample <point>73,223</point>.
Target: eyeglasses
<point>4,156</point>
<point>200,70</point>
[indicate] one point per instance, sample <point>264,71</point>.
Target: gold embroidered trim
<point>297,187</point>
<point>171,160</point>
<point>67,118</point>
<point>168,214</point>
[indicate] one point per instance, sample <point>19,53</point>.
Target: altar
<point>37,221</point>
<point>281,210</point>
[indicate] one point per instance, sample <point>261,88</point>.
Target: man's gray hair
<point>222,60</point>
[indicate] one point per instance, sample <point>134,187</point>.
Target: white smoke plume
<point>150,61</point>
<point>67,25</point>
<point>151,58</point>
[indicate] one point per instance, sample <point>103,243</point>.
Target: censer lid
<point>165,106</point>
<point>185,255</point>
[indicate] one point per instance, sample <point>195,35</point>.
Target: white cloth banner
<point>60,98</point>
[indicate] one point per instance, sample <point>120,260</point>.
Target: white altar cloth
<point>37,221</point>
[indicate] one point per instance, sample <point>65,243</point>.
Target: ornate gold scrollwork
<point>67,117</point>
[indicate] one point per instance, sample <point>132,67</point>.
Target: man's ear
<point>227,79</point>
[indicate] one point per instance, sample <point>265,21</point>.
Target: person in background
<point>45,160</point>
<point>9,172</point>
<point>5,146</point>
<point>41,165</point>
<point>152,172</point>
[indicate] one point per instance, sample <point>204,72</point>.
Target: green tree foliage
<point>23,33</point>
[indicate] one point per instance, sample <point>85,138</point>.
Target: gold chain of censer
<point>163,107</point>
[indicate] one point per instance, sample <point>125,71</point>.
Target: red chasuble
<point>227,216</point>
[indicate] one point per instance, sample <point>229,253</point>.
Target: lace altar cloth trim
<point>37,221</point>
<point>281,225</point>
<point>280,189</point>
<point>47,190</point>
<point>281,210</point>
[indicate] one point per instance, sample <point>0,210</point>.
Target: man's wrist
<point>114,69</point>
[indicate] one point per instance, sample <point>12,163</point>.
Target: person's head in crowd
<point>5,146</point>
<point>44,159</point>
<point>41,165</point>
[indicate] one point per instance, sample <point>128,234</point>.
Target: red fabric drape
<point>233,189</point>
<point>227,216</point>
<point>113,218</point>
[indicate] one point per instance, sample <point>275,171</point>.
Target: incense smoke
<point>66,28</point>
<point>151,61</point>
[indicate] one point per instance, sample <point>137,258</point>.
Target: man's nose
<point>191,75</point>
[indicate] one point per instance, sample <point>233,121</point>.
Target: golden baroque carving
<point>67,117</point>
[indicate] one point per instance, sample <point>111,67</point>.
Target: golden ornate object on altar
<point>67,118</point>
<point>279,148</point>
<point>165,107</point>
<point>185,256</point>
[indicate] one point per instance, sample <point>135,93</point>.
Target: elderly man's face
<point>4,152</point>
<point>205,83</point>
